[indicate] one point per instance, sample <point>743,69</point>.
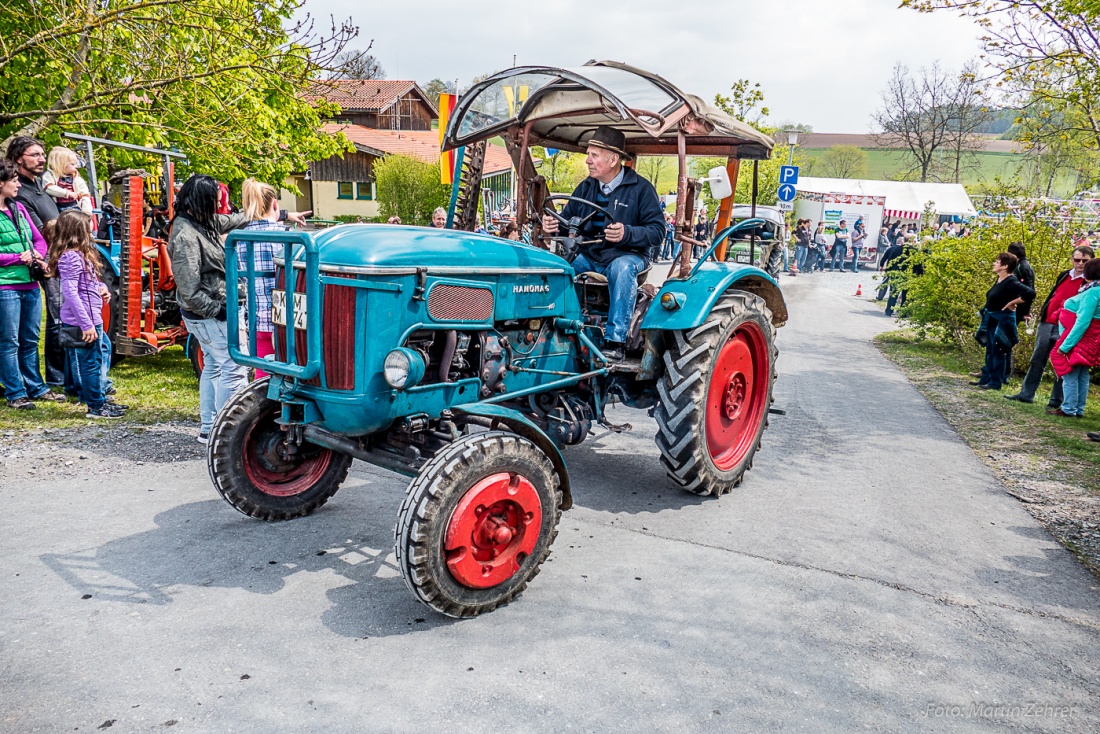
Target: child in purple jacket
<point>73,256</point>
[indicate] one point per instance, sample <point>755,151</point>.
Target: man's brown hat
<point>611,139</point>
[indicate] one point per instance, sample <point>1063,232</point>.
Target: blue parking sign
<point>788,175</point>
<point>787,192</point>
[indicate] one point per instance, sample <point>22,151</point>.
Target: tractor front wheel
<point>258,472</point>
<point>477,523</point>
<point>715,395</point>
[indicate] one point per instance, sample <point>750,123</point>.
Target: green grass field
<point>983,168</point>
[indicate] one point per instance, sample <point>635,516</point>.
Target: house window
<point>364,190</point>
<point>344,190</point>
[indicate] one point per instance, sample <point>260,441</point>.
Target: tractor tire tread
<point>682,390</point>
<point>423,504</point>
<point>229,478</point>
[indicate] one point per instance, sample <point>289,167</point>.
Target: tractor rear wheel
<point>477,523</point>
<point>194,354</point>
<point>252,469</point>
<point>715,395</point>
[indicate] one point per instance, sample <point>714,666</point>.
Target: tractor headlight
<point>673,301</point>
<point>403,368</point>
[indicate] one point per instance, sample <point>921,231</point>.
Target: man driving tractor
<point>623,247</point>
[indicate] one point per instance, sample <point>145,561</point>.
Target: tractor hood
<point>380,248</point>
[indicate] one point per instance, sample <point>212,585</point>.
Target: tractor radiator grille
<point>459,303</point>
<point>337,335</point>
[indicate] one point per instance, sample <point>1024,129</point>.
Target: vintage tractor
<point>468,362</point>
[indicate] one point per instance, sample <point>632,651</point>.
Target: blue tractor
<point>468,362</point>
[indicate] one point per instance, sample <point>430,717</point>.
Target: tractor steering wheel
<point>568,239</point>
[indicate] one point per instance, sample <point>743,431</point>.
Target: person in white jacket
<point>63,182</point>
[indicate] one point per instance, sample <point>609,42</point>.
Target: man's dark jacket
<point>1026,275</point>
<point>635,204</point>
<point>1046,304</point>
<point>40,205</point>
<point>889,259</point>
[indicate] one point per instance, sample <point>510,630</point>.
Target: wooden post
<point>726,208</point>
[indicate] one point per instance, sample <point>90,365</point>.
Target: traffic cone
<point>859,289</point>
<point>794,268</point>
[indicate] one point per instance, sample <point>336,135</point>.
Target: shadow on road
<point>206,544</point>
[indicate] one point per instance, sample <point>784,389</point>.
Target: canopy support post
<point>725,209</point>
<point>752,236</point>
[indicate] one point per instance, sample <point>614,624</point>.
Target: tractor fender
<point>520,424</point>
<point>105,254</point>
<point>696,296</point>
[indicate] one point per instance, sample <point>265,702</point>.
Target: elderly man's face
<point>439,219</point>
<point>1079,260</point>
<point>33,161</point>
<point>603,165</point>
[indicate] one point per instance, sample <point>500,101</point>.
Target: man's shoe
<point>104,412</point>
<point>51,397</point>
<point>988,386</point>
<point>1094,436</point>
<point>614,352</point>
<point>110,391</point>
<point>120,406</point>
<point>975,374</point>
<point>978,383</point>
<point>1019,398</point>
<point>1062,414</point>
<point>204,437</point>
<point>22,404</point>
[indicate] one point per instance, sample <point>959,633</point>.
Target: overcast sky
<point>820,62</point>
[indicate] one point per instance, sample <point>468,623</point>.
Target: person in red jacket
<point>1067,285</point>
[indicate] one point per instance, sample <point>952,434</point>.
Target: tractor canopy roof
<point>563,108</point>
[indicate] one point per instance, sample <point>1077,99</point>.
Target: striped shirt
<point>263,255</point>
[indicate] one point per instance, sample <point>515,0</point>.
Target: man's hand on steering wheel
<point>551,219</point>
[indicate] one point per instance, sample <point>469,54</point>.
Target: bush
<point>943,301</point>
<point>409,188</point>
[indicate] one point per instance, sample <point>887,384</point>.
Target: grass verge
<point>158,389</point>
<point>1044,461</point>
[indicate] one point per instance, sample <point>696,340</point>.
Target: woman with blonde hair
<point>261,205</point>
<point>63,182</point>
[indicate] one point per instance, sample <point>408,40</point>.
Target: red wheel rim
<point>493,529</point>
<point>736,396</point>
<point>271,470</point>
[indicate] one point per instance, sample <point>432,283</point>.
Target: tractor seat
<point>601,279</point>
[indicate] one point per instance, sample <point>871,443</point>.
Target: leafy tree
<point>562,171</point>
<point>944,300</point>
<point>409,188</point>
<point>931,113</point>
<point>358,65</point>
<point>218,79</point>
<point>1047,53</point>
<point>653,167</point>
<point>843,161</point>
<point>745,102</point>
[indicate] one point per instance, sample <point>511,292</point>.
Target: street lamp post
<point>792,140</point>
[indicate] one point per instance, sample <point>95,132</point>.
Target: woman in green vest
<point>22,257</point>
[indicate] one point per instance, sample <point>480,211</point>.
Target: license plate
<point>278,309</point>
<point>743,259</point>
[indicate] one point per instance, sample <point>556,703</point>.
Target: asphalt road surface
<point>870,574</point>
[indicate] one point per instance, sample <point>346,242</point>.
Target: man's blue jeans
<point>1076,387</point>
<point>855,259</point>
<point>800,257</point>
<point>836,261</point>
<point>20,324</point>
<point>622,279</point>
<point>221,376</point>
<point>88,364</point>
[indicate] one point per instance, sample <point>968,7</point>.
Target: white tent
<point>904,199</point>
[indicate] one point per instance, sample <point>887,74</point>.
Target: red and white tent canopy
<point>900,214</point>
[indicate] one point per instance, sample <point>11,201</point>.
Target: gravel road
<point>870,574</point>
